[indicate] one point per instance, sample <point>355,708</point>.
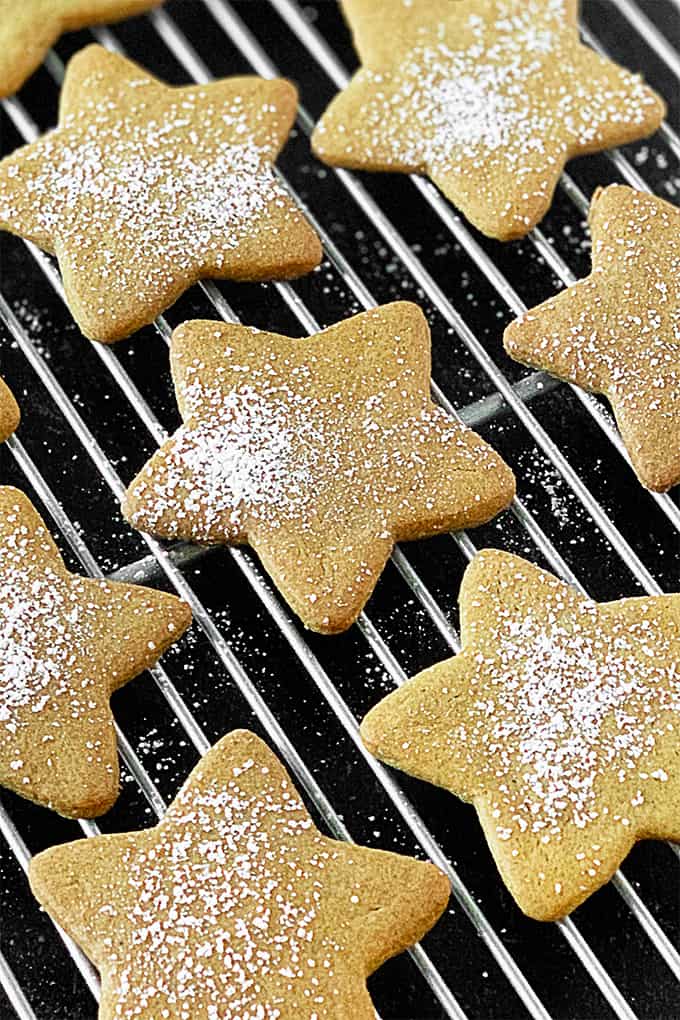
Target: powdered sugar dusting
<point>66,643</point>
<point>279,457</point>
<point>226,915</point>
<point>152,187</point>
<point>279,440</point>
<point>499,94</point>
<point>571,703</point>
<point>566,698</point>
<point>43,627</point>
<point>141,187</point>
<point>644,311</point>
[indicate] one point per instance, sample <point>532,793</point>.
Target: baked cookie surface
<point>29,27</point>
<point>235,905</point>
<point>66,644</point>
<point>558,721</point>
<point>9,412</point>
<point>489,98</point>
<point>618,331</point>
<point>144,188</point>
<point>320,453</point>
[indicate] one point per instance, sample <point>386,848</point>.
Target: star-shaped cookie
<point>143,189</point>
<point>489,98</point>
<point>559,720</point>
<point>235,905</point>
<point>66,644</point>
<point>321,453</point>
<point>9,412</point>
<point>29,27</point>
<point>618,331</point>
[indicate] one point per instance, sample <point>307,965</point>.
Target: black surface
<point>49,978</point>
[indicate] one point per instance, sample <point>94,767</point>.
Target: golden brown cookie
<point>9,412</point>
<point>143,189</point>
<point>618,331</point>
<point>29,27</point>
<point>235,905</point>
<point>320,453</point>
<point>559,720</point>
<point>489,98</point>
<point>66,644</point>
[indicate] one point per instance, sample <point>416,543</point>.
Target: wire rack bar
<point>616,1000</point>
<point>666,131</point>
<point>650,33</point>
<point>23,856</point>
<point>14,993</point>
<point>536,384</point>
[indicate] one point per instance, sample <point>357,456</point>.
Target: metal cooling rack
<point>93,414</point>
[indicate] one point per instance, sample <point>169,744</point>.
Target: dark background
<point>353,670</point>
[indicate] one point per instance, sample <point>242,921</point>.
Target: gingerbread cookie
<point>559,720</point>
<point>235,905</point>
<point>618,331</point>
<point>28,28</point>
<point>9,412</point>
<point>489,98</point>
<point>66,644</point>
<point>143,189</point>
<point>321,453</point>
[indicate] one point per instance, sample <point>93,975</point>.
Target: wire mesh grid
<point>93,414</point>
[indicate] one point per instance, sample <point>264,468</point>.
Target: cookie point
<point>370,728</point>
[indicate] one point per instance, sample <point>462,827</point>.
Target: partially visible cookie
<point>321,453</point>
<point>66,644</point>
<point>29,27</point>
<point>559,720</point>
<point>9,412</point>
<point>618,331</point>
<point>489,98</point>
<point>235,906</point>
<point>143,189</point>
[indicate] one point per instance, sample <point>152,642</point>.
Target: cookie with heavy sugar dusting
<point>28,28</point>
<point>489,98</point>
<point>144,188</point>
<point>320,453</point>
<point>9,412</point>
<point>66,644</point>
<point>235,905</point>
<point>618,331</point>
<point>558,721</point>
